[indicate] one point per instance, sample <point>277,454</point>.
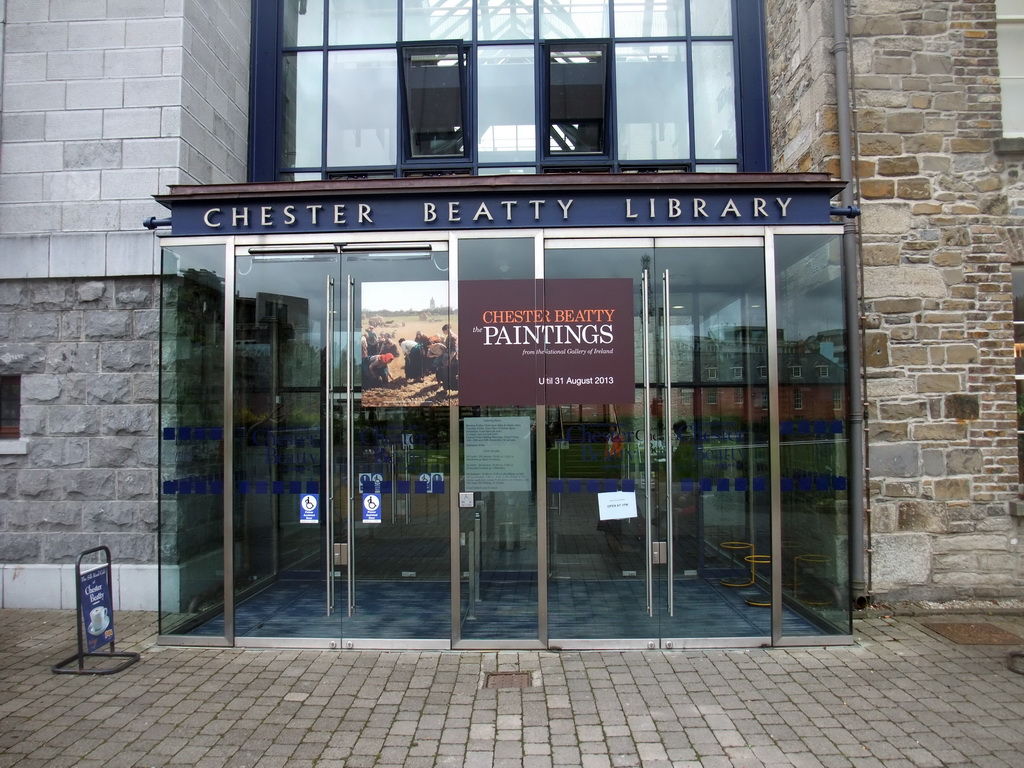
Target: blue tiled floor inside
<point>297,607</point>
<point>596,609</point>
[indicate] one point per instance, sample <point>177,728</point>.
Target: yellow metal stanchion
<point>738,546</point>
<point>806,560</point>
<point>755,560</point>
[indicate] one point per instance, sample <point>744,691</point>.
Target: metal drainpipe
<point>851,255</point>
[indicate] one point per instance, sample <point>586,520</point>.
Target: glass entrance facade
<point>333,476</point>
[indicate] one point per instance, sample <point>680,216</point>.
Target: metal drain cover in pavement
<point>966,633</point>
<point>507,680</point>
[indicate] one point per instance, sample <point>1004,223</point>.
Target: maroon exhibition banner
<point>546,342</point>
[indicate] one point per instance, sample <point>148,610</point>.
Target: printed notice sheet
<point>616,505</point>
<point>497,452</point>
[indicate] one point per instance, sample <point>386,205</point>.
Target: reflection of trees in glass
<point>191,342</point>
<point>191,408</point>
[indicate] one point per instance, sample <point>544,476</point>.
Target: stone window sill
<point>13,447</point>
<point>1010,146</point>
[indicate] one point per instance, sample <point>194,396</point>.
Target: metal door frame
<point>613,237</point>
<point>762,240</point>
<point>268,245</point>
<point>722,237</point>
<point>380,243</point>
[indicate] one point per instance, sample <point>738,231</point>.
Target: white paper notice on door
<point>616,505</point>
<point>497,453</point>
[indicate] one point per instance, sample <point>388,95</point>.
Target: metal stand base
<point>62,668</point>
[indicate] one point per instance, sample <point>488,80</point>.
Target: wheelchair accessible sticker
<point>309,508</point>
<point>371,507</point>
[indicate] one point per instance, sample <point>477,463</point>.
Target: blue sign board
<point>371,507</point>
<point>97,608</point>
<point>309,508</point>
<point>723,205</point>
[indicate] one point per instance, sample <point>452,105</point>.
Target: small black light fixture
<point>850,212</point>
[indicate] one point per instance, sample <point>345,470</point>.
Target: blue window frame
<point>433,79</point>
<point>349,88</point>
<point>575,87</point>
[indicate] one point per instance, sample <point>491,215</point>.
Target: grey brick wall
<point>86,351</point>
<point>937,245</point>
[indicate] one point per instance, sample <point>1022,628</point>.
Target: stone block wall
<point>937,241</point>
<point>104,105</point>
<point>802,99</point>
<point>3,28</point>
<point>86,351</point>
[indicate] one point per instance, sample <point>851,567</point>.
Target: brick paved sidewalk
<point>902,696</point>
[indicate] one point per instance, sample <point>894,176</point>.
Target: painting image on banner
<point>547,342</point>
<point>408,344</point>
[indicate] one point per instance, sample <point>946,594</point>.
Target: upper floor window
<point>577,97</point>
<point>1010,47</point>
<point>355,88</point>
<point>434,105</point>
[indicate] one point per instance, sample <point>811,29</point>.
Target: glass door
<point>282,525</point>
<point>691,561</point>
<point>604,579</point>
<point>345,366</point>
<point>394,399</point>
<point>711,409</point>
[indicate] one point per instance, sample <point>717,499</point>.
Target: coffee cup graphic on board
<point>98,619</point>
